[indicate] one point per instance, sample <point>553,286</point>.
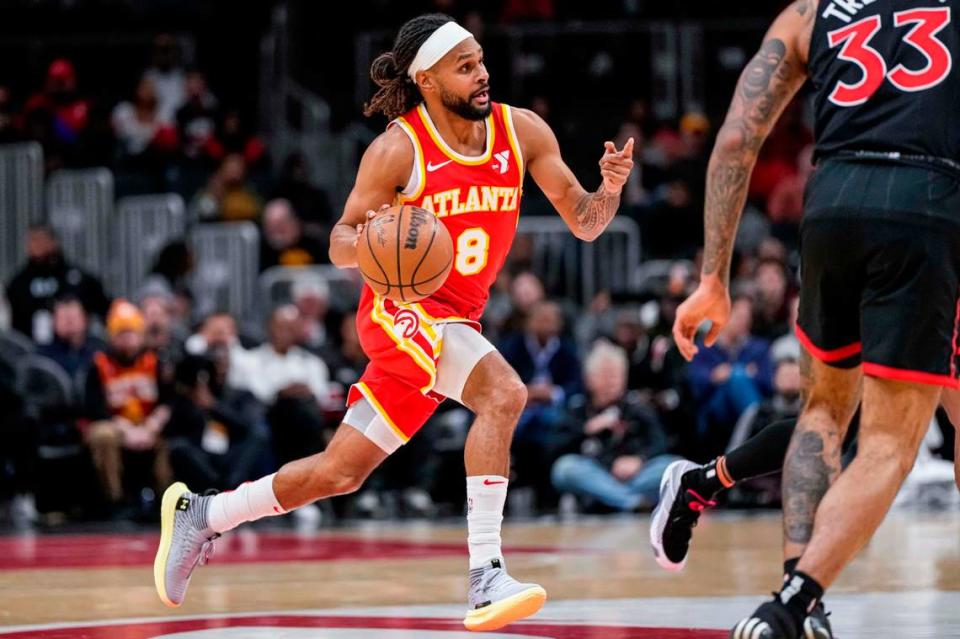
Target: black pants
<point>297,427</point>
<point>202,470</point>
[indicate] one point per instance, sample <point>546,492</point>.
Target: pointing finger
<point>627,148</point>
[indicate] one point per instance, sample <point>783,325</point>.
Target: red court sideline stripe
<point>151,630</point>
<point>111,550</point>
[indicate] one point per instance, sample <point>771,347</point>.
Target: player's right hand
<point>370,215</point>
<point>711,301</point>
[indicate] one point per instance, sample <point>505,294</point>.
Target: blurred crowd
<point>150,392</point>
<point>126,395</point>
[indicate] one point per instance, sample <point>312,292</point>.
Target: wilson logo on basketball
<point>418,218</point>
<point>406,323</point>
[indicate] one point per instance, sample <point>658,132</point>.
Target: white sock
<point>250,501</point>
<point>486,495</point>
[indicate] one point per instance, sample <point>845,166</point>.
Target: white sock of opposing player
<point>486,496</point>
<point>250,501</point>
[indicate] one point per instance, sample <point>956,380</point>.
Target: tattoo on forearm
<point>596,210</point>
<point>807,474</point>
<point>765,87</point>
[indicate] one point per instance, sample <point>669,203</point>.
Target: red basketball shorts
<point>416,361</point>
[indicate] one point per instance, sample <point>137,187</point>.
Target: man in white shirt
<point>279,368</point>
<point>290,381</point>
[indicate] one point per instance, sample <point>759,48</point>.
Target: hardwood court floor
<point>399,581</point>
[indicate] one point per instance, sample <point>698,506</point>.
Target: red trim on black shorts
<point>904,375</point>
<point>833,355</point>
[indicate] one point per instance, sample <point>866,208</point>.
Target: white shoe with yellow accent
<point>497,599</point>
<point>185,542</point>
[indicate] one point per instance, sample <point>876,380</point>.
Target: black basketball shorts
<point>880,270</point>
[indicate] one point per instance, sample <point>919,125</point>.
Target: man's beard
<point>464,108</point>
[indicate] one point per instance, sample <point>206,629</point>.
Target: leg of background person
<point>243,457</point>
<point>813,458</point>
<point>162,470</point>
<point>297,428</point>
<point>742,391</point>
<point>586,477</point>
<point>106,446</point>
<point>895,419</point>
<point>192,465</point>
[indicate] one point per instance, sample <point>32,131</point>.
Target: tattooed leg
<point>813,459</point>
<point>894,419</point>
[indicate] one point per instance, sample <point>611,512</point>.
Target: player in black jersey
<point>880,263</point>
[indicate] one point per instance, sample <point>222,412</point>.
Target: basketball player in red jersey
<point>451,150</point>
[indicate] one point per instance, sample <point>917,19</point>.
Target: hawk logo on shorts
<point>406,323</point>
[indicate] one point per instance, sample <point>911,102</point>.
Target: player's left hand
<point>615,166</point>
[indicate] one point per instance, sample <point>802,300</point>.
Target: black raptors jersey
<point>884,77</point>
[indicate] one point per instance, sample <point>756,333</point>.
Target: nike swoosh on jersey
<point>431,167</point>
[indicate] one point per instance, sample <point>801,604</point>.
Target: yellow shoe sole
<point>496,616</point>
<point>168,511</point>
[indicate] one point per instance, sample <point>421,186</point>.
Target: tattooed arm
<point>766,86</point>
<point>586,214</point>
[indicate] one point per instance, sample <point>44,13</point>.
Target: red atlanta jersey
<point>478,199</point>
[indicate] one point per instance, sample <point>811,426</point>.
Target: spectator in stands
<point>146,137</point>
<point>60,109</point>
<point>217,339</point>
<point>548,364</point>
<point>167,76</point>
<point>217,331</point>
<point>283,242</point>
<point>320,327</point>
<point>291,382</point>
<point>787,346</point>
<point>784,404</point>
<point>72,347</point>
<point>733,374</point>
<point>349,361</point>
<point>785,204</point>
<point>634,193</point>
<point>620,443</point>
<point>213,443</point>
<point>527,11</point>
<point>597,319</point>
<point>236,137</point>
<point>161,336</point>
<point>46,275</point>
<point>311,203</point>
<point>8,124</point>
<point>122,407</point>
<point>526,291</point>
<point>771,310</point>
<point>778,156</point>
<point>196,121</point>
<point>170,275</point>
<point>228,197</point>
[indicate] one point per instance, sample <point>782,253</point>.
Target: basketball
<point>405,253</point>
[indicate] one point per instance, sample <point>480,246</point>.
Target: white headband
<point>437,45</point>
